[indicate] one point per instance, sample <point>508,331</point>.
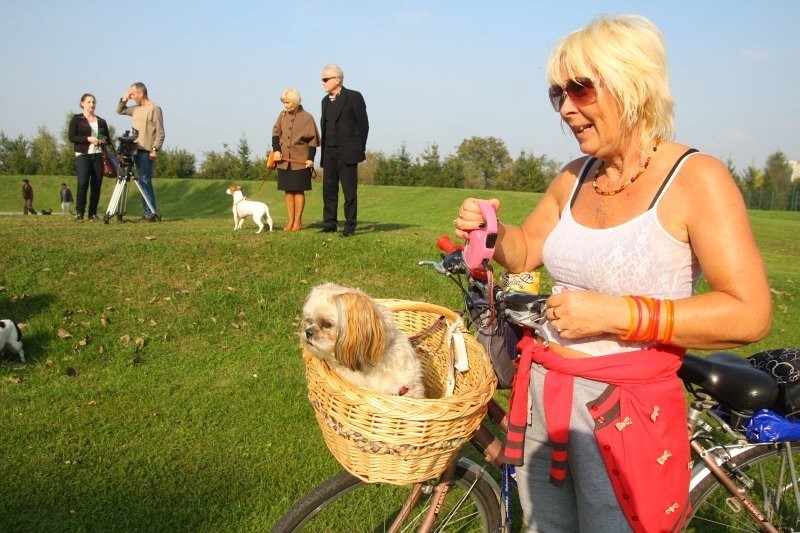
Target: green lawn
<point>164,389</point>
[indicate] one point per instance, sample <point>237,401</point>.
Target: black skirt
<point>294,180</point>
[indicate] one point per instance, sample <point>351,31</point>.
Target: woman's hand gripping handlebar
<point>483,301</point>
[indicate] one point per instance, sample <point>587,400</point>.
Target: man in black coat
<point>344,126</point>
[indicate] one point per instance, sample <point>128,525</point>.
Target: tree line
<point>770,188</point>
<point>477,163</point>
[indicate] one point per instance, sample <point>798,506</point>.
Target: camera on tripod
<point>126,151</point>
<point>127,143</point>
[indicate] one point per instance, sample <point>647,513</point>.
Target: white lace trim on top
<point>636,257</point>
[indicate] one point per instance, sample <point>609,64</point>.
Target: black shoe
<point>93,217</point>
<point>78,217</point>
<point>348,233</point>
<point>327,230</point>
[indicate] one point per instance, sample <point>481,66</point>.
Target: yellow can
<point>521,282</point>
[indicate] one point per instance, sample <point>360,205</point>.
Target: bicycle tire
<point>712,512</point>
<point>345,503</point>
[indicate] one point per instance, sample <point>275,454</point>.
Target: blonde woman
<point>295,139</point>
<point>624,232</point>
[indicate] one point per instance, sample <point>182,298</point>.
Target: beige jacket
<point>148,121</point>
<point>295,136</point>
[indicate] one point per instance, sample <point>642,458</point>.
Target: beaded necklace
<point>627,183</point>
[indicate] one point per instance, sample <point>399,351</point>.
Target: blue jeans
<point>144,167</point>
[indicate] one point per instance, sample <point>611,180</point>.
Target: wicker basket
<point>393,439</point>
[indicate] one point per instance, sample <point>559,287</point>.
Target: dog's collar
<point>237,202</point>
<point>403,390</point>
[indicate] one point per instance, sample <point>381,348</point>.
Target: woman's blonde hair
<point>291,95</point>
<point>626,56</point>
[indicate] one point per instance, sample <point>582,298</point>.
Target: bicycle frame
<point>719,460</point>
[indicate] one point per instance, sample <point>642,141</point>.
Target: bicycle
<point>735,484</point>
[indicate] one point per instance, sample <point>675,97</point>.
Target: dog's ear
<point>360,339</point>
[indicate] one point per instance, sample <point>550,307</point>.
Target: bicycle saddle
<point>730,379</point>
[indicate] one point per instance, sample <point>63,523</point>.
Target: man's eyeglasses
<point>326,80</point>
<point>580,90</point>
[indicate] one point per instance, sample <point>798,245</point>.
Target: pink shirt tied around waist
<point>640,426</point>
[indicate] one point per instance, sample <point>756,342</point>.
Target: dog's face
<point>232,189</point>
<point>344,326</point>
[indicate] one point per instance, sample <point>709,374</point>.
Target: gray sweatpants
<point>586,501</point>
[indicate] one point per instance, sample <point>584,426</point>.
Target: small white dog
<point>243,208</point>
<point>358,337</point>
<point>11,339</point>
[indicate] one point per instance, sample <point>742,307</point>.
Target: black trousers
<point>89,169</point>
<point>336,172</point>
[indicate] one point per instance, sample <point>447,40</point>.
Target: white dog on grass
<point>243,208</point>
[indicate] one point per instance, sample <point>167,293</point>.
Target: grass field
<point>164,389</point>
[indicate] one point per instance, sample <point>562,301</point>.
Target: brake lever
<point>438,266</point>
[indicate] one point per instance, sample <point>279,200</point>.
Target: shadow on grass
<point>21,308</point>
<point>368,226</point>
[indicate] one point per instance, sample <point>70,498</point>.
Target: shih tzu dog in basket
<point>358,337</point>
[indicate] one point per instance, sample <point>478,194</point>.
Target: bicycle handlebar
<point>484,300</point>
<point>446,244</point>
<point>455,261</point>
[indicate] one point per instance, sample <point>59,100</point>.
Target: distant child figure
<point>66,200</point>
<point>27,197</point>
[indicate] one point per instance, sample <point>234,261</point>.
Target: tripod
<point>118,204</point>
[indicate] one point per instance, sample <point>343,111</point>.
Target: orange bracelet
<point>656,320</point>
<point>631,304</point>
<point>670,321</point>
<point>647,331</point>
<point>638,317</point>
<point>634,333</point>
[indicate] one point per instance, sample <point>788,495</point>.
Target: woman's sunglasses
<point>580,90</point>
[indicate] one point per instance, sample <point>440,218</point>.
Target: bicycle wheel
<point>773,491</point>
<point>345,503</point>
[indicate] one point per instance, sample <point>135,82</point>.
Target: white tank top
<point>636,257</point>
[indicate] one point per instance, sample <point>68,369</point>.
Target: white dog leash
<point>458,354</point>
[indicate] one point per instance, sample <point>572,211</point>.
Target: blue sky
<point>430,71</point>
